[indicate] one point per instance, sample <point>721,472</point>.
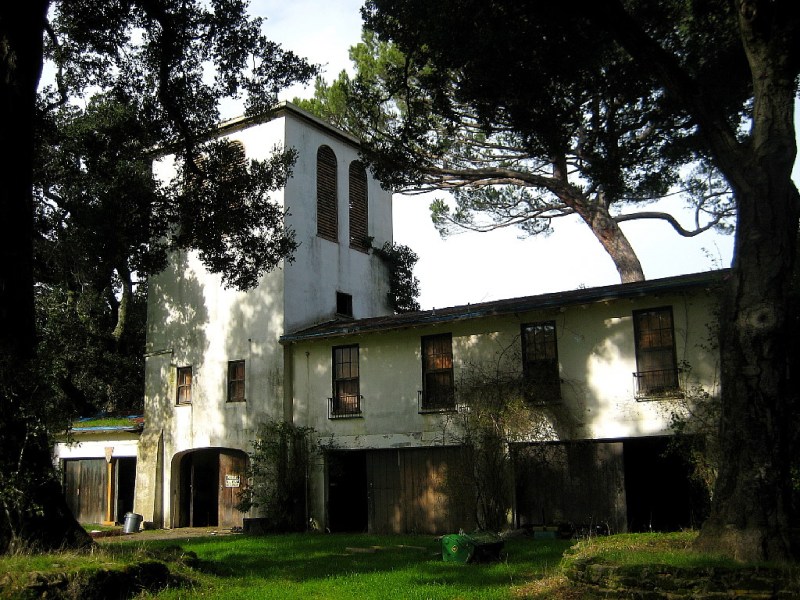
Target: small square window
<point>236,381</point>
<point>344,304</point>
<point>184,386</point>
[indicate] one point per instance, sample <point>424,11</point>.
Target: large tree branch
<point>62,88</point>
<point>169,60</point>
<point>669,219</point>
<point>124,274</point>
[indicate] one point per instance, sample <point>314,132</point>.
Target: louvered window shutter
<point>327,221</point>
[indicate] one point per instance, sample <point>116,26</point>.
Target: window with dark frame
<point>359,204</point>
<point>344,304</point>
<point>184,386</point>
<point>236,379</point>
<point>540,362</point>
<point>327,214</point>
<point>346,400</point>
<point>438,389</point>
<point>656,363</point>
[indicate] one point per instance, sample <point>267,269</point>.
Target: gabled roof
<point>281,109</point>
<point>338,328</point>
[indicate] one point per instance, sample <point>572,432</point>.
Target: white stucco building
<point>602,369</point>
<point>316,344</point>
<point>215,368</point>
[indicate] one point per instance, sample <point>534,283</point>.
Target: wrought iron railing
<point>663,383</point>
<point>430,403</point>
<point>346,406</point>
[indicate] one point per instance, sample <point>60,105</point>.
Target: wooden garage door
<point>409,492</point>
<point>85,489</point>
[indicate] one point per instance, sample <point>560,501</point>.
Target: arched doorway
<point>206,487</point>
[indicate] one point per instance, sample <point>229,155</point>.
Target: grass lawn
<point>352,566</point>
<point>361,566</point>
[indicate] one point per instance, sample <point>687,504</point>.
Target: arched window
<point>327,220</point>
<point>358,207</point>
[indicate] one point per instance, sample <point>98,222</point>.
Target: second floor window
<point>540,362</point>
<point>656,363</point>
<point>438,389</point>
<point>236,381</point>
<point>184,385</point>
<point>327,215</point>
<point>346,400</point>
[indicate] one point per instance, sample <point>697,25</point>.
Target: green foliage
<point>278,475</point>
<point>334,102</point>
<point>403,286</point>
<point>493,411</point>
<point>694,420</point>
<point>131,77</point>
<point>86,370</point>
<point>520,125</point>
<point>329,102</point>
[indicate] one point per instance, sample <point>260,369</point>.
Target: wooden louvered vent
<point>358,207</point>
<point>327,221</point>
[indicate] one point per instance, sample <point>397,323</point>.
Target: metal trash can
<point>132,523</point>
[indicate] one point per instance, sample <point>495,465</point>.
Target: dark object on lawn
<point>479,547</point>
<point>581,531</point>
<point>256,526</point>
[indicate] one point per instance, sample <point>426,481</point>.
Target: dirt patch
<point>166,534</point>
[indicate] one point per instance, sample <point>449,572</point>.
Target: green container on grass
<point>457,548</point>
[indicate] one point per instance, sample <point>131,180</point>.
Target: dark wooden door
<point>232,465</point>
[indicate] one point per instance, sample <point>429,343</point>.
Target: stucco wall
<point>124,445</point>
<point>596,357</point>
<point>194,321</point>
<point>322,267</point>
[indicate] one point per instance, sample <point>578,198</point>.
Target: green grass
<point>321,566</point>
<point>672,549</point>
<point>364,566</point>
<point>16,566</point>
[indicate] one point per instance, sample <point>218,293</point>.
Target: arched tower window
<point>327,220</point>
<point>358,207</point>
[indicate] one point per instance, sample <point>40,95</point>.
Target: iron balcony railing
<point>346,406</point>
<point>663,383</point>
<point>430,403</point>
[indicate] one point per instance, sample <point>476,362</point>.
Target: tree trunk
<point>34,512</point>
<point>610,235</point>
<point>752,516</point>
